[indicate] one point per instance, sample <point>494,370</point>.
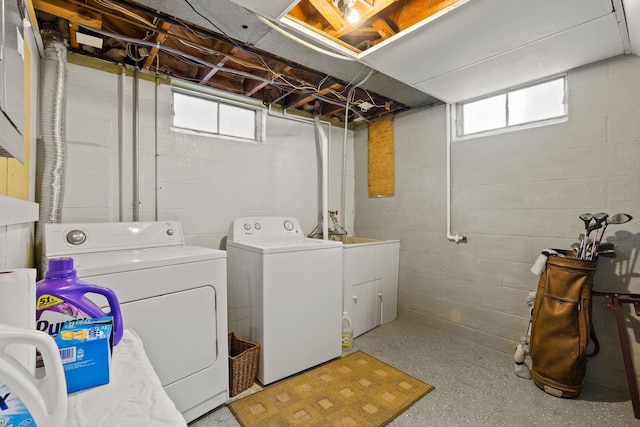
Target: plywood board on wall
<point>381,157</point>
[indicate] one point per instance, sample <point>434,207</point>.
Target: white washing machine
<point>172,295</point>
<point>285,293</point>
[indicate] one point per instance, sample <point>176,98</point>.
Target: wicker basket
<point>243,364</point>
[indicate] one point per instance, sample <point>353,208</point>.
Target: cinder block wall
<point>202,181</point>
<point>514,194</point>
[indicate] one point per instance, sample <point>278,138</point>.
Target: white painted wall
<point>514,194</point>
<point>203,182</point>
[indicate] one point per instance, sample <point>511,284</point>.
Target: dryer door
<point>180,342</point>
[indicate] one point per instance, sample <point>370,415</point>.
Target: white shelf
<point>15,211</point>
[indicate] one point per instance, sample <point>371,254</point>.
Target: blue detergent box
<point>85,349</point>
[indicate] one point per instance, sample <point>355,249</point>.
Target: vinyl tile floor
<point>474,386</point>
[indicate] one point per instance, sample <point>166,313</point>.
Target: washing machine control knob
<point>247,226</point>
<point>288,225</point>
<point>170,232</point>
<point>76,237</point>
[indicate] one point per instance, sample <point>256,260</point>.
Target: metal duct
<point>53,99</point>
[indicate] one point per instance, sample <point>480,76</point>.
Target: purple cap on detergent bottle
<point>60,294</point>
<point>59,268</point>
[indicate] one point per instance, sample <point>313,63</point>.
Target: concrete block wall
<point>202,181</point>
<point>514,194</point>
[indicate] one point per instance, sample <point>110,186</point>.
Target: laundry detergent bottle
<point>347,331</point>
<point>61,297</point>
<point>25,400</point>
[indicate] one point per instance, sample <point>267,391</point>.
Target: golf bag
<point>561,326</point>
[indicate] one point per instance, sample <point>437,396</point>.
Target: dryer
<point>285,293</point>
<point>171,294</point>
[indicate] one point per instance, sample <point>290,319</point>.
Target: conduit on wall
<point>53,124</point>
<point>452,237</point>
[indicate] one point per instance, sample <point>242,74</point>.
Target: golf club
<point>600,218</point>
<point>586,218</point>
<point>619,218</point>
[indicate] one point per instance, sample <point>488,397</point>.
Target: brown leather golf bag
<point>561,326</point>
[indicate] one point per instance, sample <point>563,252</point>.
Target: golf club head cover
<point>541,261</point>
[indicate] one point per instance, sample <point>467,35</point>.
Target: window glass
<point>537,103</point>
<point>192,112</point>
<point>237,121</point>
<point>484,114</point>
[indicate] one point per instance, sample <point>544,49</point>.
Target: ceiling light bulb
<point>353,16</point>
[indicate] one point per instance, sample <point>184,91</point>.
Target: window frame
<point>260,117</point>
<point>457,119</point>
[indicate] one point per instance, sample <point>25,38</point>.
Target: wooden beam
<point>159,38</point>
<point>73,38</point>
<point>418,10</point>
<point>70,12</point>
<point>310,98</point>
<point>366,13</point>
<point>383,28</point>
<point>330,13</point>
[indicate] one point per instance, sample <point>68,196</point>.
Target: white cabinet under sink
<point>370,282</point>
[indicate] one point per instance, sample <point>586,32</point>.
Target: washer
<point>172,295</point>
<point>285,293</point>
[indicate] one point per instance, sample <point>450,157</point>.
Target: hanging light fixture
<point>347,10</point>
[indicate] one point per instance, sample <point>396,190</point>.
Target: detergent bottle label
<point>13,413</point>
<point>347,338</point>
<point>53,312</point>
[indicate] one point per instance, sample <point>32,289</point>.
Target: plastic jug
<point>347,332</point>
<point>60,297</point>
<point>22,396</point>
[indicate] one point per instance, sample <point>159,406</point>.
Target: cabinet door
<point>366,305</point>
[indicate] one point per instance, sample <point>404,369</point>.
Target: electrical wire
<point>124,11</point>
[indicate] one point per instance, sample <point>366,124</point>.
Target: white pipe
<point>324,148</point>
<point>136,147</point>
<point>452,237</point>
<point>325,163</point>
<point>155,142</point>
<point>121,79</point>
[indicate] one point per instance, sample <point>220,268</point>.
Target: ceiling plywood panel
<point>225,15</point>
<point>275,9</point>
<point>591,42</point>
<point>476,31</point>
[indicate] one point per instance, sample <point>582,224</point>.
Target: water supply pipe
<point>452,237</point>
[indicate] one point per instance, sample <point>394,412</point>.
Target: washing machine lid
<point>272,246</point>
<point>94,263</point>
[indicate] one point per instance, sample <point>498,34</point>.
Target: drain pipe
<point>324,156</point>
<point>325,163</point>
<point>452,237</point>
<point>52,122</point>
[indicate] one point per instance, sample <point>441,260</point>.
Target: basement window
<point>206,115</point>
<point>538,104</point>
